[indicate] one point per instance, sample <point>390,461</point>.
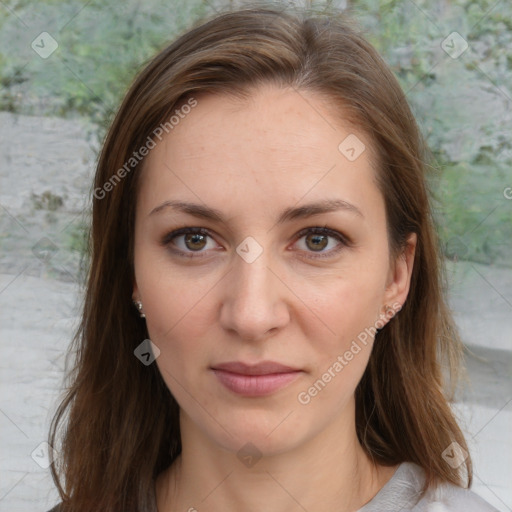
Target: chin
<point>264,432</point>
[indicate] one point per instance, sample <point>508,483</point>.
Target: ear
<point>135,293</point>
<point>399,276</point>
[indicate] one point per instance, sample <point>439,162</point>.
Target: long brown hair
<point>118,423</point>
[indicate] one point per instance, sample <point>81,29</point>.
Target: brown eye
<point>316,239</point>
<point>195,241</point>
<point>317,242</point>
<point>187,241</point>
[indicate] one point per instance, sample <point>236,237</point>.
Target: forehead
<point>276,146</point>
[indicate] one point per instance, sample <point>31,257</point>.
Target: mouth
<point>259,379</point>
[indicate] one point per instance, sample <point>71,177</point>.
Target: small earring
<point>138,305</point>
<point>389,310</point>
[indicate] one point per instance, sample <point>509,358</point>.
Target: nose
<point>254,300</point>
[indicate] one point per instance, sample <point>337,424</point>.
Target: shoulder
<point>445,497</point>
<point>449,497</point>
<point>404,492</point>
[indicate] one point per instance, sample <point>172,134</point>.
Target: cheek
<point>348,303</point>
<point>348,307</point>
<point>178,318</point>
<point>178,309</point>
<point>179,324</point>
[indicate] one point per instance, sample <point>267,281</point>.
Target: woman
<point>264,324</point>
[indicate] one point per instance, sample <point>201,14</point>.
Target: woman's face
<point>259,285</point>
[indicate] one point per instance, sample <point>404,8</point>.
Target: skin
<point>251,159</point>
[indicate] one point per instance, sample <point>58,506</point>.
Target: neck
<point>330,471</point>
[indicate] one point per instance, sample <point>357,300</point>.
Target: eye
<point>317,238</point>
<point>190,240</point>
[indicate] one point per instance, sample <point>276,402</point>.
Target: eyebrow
<point>289,214</point>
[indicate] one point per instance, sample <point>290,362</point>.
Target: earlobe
<point>400,274</point>
<point>135,292</point>
<point>136,300</point>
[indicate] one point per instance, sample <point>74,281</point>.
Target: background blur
<point>64,66</point>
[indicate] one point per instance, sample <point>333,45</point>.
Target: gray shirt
<point>402,494</point>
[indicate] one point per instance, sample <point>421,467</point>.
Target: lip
<point>258,379</point>
<point>261,368</point>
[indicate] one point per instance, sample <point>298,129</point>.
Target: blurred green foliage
<point>463,105</point>
<point>101,47</point>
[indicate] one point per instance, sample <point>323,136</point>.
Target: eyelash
<point>344,241</point>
